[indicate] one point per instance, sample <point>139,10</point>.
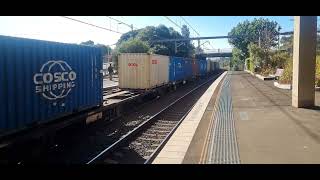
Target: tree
<point>237,58</point>
<point>89,43</point>
<point>151,33</point>
<point>189,48</point>
<point>104,49</point>
<point>160,49</point>
<point>127,36</point>
<point>133,46</point>
<point>260,31</point>
<point>185,31</point>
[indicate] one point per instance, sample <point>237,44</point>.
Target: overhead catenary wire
<point>195,31</point>
<point>131,26</point>
<point>91,24</point>
<point>189,25</point>
<point>172,21</point>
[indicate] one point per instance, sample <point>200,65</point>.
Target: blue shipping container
<point>202,67</point>
<point>42,81</point>
<point>179,69</point>
<point>176,71</point>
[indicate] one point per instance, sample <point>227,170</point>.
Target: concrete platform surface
<point>252,122</point>
<point>269,129</point>
<point>107,84</point>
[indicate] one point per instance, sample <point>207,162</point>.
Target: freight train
<point>43,81</point>
<point>142,71</point>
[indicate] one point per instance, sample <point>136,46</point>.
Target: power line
<point>91,24</point>
<point>131,26</point>
<point>172,21</point>
<point>194,31</point>
<point>189,25</point>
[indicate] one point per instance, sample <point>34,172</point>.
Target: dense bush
<point>286,77</point>
<point>265,62</point>
<point>238,59</point>
<point>278,59</point>
<point>318,71</point>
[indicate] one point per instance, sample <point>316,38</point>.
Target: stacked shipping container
<point>42,80</point>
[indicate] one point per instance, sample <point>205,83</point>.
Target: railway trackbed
<point>143,143</point>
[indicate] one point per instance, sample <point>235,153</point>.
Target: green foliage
<point>318,71</point>
<point>88,43</point>
<point>105,50</point>
<point>286,77</point>
<point>258,57</point>
<point>266,61</point>
<point>152,33</point>
<point>133,46</point>
<point>237,59</point>
<point>249,32</point>
<point>250,65</point>
<point>160,49</point>
<point>127,36</point>
<point>278,59</point>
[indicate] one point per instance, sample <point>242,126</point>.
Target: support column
<point>304,54</point>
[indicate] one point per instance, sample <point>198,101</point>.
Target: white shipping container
<point>142,71</point>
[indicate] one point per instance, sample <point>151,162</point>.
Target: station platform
<point>242,119</point>
<point>107,84</point>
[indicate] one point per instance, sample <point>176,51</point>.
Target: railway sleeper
<point>160,128</point>
<point>167,122</point>
<point>164,124</point>
<point>144,135</point>
<point>141,139</point>
<point>152,131</point>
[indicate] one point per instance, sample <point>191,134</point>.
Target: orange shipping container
<point>195,67</point>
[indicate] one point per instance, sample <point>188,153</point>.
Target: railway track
<point>143,143</point>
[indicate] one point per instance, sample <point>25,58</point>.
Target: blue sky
<point>55,28</point>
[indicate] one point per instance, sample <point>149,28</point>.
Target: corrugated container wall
<point>195,67</point>
<point>159,70</point>
<point>177,68</point>
<point>142,71</point>
<point>202,67</point>
<point>188,68</point>
<point>212,66</point>
<point>42,80</point>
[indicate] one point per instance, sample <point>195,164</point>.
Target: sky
<point>60,29</point>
